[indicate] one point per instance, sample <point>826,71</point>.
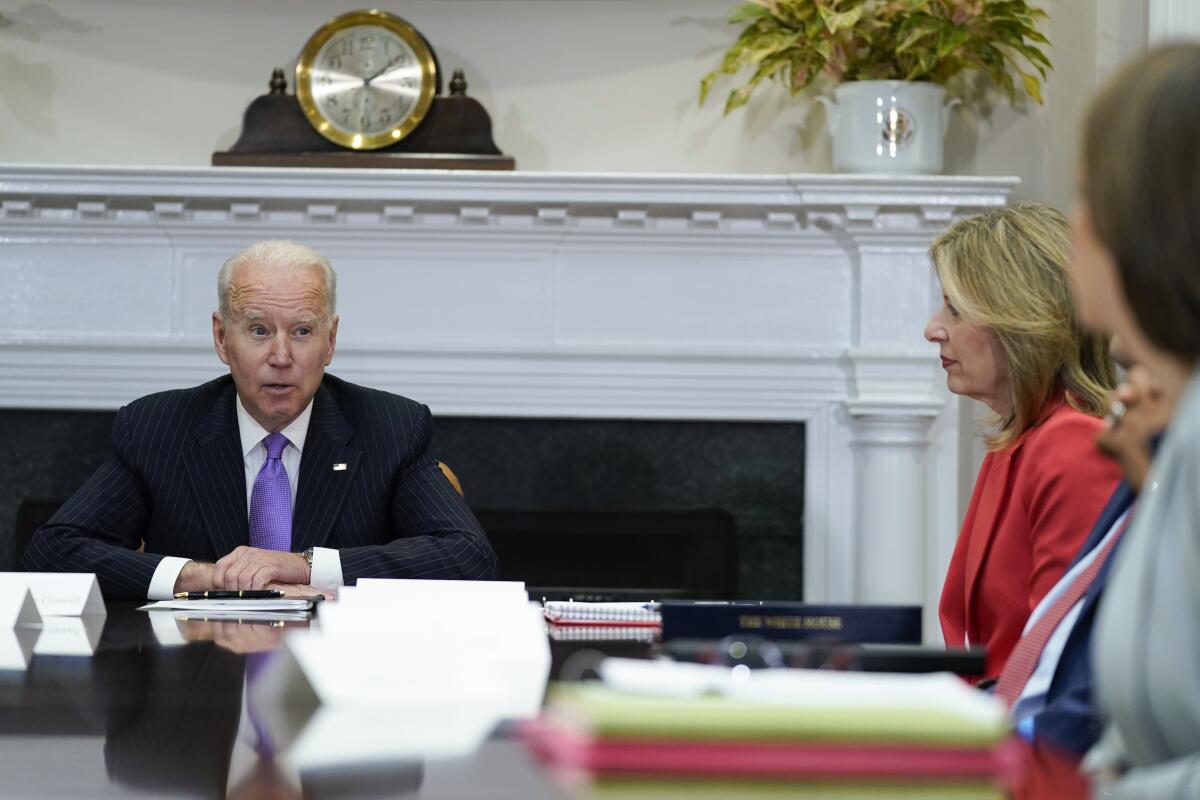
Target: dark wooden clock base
<point>455,134</point>
<point>365,160</point>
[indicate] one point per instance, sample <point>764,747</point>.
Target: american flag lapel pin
<point>339,467</point>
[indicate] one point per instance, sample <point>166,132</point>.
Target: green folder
<point>605,712</point>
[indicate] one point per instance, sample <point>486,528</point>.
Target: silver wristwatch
<point>308,557</point>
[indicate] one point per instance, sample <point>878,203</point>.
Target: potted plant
<point>890,59</point>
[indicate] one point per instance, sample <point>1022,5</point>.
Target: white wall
<point>573,85</point>
<point>1174,19</point>
<point>1122,28</point>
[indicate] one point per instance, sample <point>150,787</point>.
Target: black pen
<point>235,594</point>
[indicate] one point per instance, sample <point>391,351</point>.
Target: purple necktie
<point>271,500</point>
<point>254,664</point>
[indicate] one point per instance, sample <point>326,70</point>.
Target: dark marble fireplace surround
<point>753,470</point>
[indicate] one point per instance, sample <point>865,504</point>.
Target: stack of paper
<point>678,723</point>
<point>282,609</point>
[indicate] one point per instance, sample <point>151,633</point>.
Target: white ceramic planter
<point>889,127</point>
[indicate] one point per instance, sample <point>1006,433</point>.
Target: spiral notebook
<point>633,615</point>
<point>601,633</point>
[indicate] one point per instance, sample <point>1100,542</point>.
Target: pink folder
<point>768,759</point>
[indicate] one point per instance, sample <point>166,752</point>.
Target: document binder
<point>783,620</point>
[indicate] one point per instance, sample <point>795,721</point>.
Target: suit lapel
<point>322,489</point>
<point>218,474</point>
<point>1122,498</point>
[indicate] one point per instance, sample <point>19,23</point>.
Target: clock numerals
<point>370,81</point>
<point>363,54</point>
<point>347,46</point>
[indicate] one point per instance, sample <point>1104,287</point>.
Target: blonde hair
<point>281,254</point>
<point>1005,270</point>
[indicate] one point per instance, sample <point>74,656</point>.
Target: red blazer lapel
<point>994,494</point>
<point>984,522</point>
<point>979,528</point>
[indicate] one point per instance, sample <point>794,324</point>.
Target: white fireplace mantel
<point>773,297</point>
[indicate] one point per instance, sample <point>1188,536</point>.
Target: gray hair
<point>277,254</point>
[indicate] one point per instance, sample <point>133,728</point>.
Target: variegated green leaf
<point>840,21</point>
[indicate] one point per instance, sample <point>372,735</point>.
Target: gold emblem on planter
<point>896,127</point>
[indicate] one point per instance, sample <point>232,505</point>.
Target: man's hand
<point>253,568</point>
<point>302,591</point>
<point>195,576</point>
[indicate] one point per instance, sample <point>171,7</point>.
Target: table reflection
<point>171,707</point>
<point>172,712</point>
<point>234,635</point>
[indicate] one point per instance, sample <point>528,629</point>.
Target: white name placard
<point>62,594</point>
<point>16,646</point>
<point>406,644</point>
<point>426,591</point>
<point>69,636</point>
<point>309,735</point>
<point>335,737</point>
<point>20,626</point>
<point>17,606</point>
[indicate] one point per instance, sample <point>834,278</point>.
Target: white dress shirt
<point>326,564</point>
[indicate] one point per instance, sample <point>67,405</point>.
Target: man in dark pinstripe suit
<point>367,500</point>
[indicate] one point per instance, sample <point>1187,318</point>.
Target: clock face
<point>365,79</point>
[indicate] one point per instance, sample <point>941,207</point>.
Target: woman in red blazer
<point>1007,337</point>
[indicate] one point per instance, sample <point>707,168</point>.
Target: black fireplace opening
<point>706,509</point>
<point>617,555</point>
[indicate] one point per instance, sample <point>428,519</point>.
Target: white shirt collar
<point>252,433</point>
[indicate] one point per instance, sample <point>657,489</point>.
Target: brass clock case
<point>347,51</point>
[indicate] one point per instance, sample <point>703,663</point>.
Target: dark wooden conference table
<point>142,718</point>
